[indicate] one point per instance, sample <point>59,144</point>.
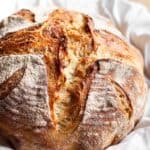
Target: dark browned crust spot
<point>89,27</point>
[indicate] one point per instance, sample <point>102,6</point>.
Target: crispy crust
<point>22,19</point>
<point>93,82</point>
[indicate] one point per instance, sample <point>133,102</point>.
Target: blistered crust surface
<point>73,86</point>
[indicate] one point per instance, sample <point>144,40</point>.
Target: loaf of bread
<point>65,85</point>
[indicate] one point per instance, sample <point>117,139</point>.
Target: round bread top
<point>74,86</point>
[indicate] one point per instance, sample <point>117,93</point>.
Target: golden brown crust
<point>93,82</point>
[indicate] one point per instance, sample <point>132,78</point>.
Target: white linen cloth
<point>131,18</point>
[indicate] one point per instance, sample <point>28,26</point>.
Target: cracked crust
<point>71,87</point>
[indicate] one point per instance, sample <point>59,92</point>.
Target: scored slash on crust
<point>9,84</point>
